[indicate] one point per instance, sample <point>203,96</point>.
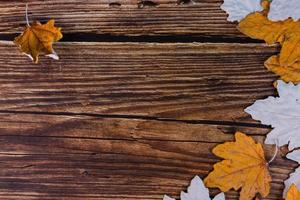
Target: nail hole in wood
<point>144,4</point>
<point>115,5</point>
<point>185,2</point>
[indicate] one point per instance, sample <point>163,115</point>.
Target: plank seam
<point>94,37</point>
<point>129,139</point>
<point>139,117</point>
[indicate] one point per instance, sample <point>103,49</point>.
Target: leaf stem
<point>274,156</point>
<point>26,15</point>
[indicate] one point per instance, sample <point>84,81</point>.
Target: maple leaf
<point>283,9</point>
<point>282,113</point>
<point>237,10</point>
<point>244,167</point>
<point>257,26</point>
<point>293,193</point>
<point>288,73</point>
<point>197,191</point>
<point>287,33</point>
<point>294,178</point>
<point>38,38</point>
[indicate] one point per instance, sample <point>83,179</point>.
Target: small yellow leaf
<point>293,193</point>
<point>289,73</point>
<point>244,167</point>
<point>38,38</point>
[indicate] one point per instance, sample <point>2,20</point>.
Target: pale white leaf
<point>295,156</point>
<point>53,56</point>
<point>220,196</point>
<point>239,9</point>
<point>166,197</point>
<point>283,9</point>
<point>282,113</point>
<point>294,177</point>
<point>197,191</point>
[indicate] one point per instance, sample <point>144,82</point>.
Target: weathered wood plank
<point>132,17</point>
<point>107,176</point>
<point>40,125</point>
<point>16,128</point>
<point>54,157</point>
<point>179,81</point>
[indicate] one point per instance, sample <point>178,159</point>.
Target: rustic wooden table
<point>142,93</point>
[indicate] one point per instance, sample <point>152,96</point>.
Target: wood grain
<point>55,157</point>
<point>178,81</point>
<point>127,120</point>
<point>123,17</point>
<point>76,143</point>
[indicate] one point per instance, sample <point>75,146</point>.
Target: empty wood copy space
<point>141,94</point>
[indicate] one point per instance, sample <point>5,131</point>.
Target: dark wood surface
<point>123,17</point>
<point>127,120</point>
<point>82,157</point>
<point>179,81</point>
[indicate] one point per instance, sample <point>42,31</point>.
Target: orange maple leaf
<point>287,33</point>
<point>288,73</point>
<point>38,39</point>
<point>293,193</point>
<point>244,167</point>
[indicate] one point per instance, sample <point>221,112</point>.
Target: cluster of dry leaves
<point>255,20</point>
<point>287,33</point>
<point>244,166</point>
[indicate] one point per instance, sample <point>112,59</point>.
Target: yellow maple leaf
<point>293,193</point>
<point>244,167</point>
<point>287,33</point>
<point>258,26</point>
<point>288,73</point>
<point>290,51</point>
<point>38,39</point>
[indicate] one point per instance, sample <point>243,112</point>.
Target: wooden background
<point>142,93</point>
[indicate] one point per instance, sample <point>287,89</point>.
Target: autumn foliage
<point>286,33</point>
<point>293,193</point>
<point>244,166</point>
<point>38,39</point>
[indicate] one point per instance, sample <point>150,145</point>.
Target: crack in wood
<point>139,117</point>
<point>94,37</point>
